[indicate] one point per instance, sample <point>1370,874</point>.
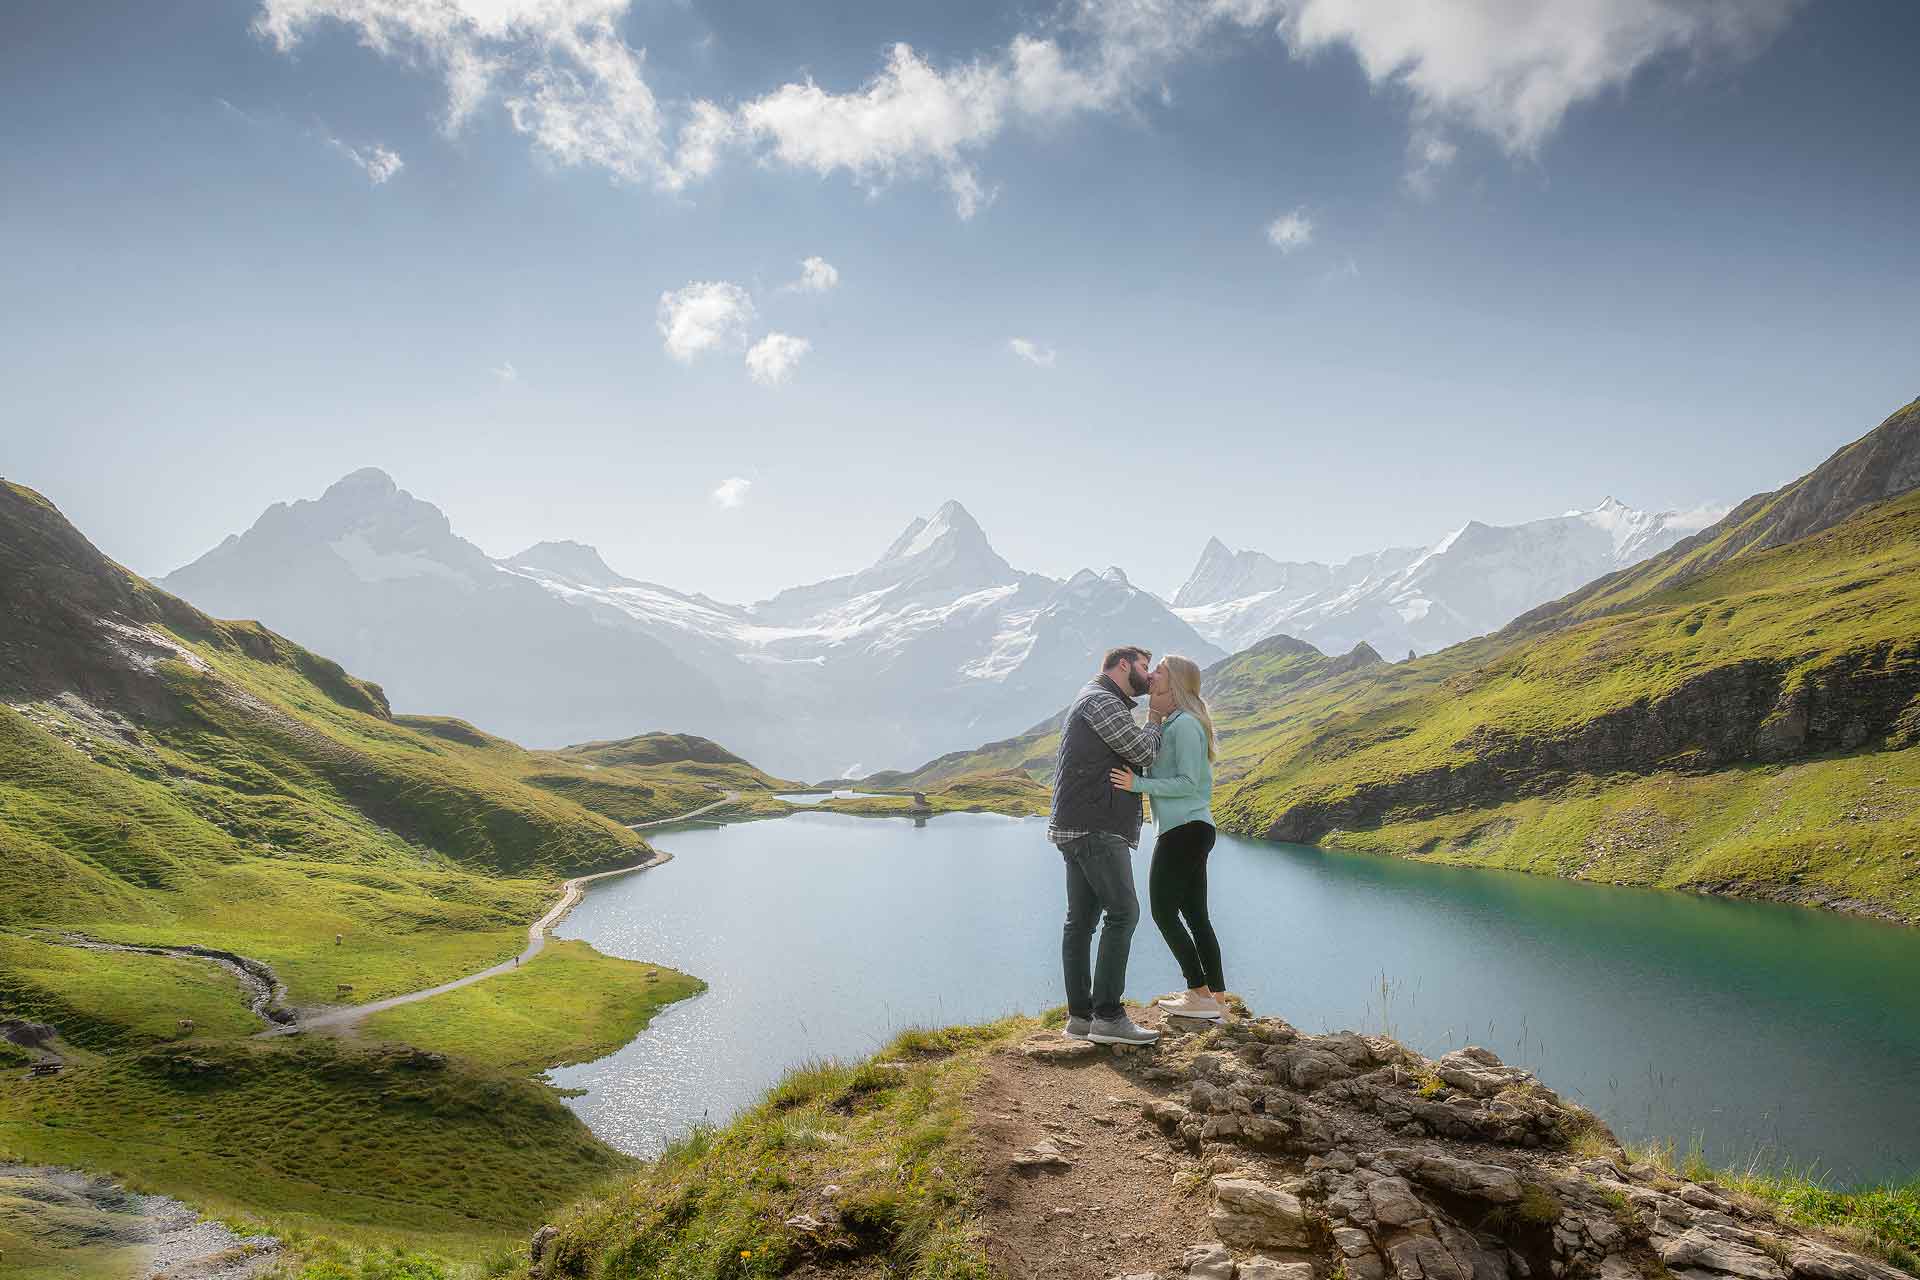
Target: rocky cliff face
<point>1751,712</point>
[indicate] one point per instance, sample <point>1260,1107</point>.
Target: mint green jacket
<point>1181,779</point>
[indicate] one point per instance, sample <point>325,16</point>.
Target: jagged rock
<point>807,1224</point>
<point>537,1247</point>
<point>1357,1251</point>
<point>1208,1261</point>
<point>1812,1260</point>
<point>1701,1251</point>
<point>1393,1203</point>
<point>1419,1256</point>
<point>1477,1071</point>
<point>1305,1067</point>
<point>1255,1214</point>
<point>1616,1267</point>
<point>1492,1182</point>
<point>1263,1268</point>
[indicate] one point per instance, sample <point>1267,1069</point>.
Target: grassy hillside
<point>166,777</point>
<point>1603,748</point>
<point>392,1142</point>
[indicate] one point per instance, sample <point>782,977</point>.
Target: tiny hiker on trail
<point>1096,827</point>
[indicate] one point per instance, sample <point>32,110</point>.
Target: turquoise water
<point>1758,1029</point>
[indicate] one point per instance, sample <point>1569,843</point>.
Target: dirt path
<point>120,1231</point>
<point>570,895</point>
<point>1114,1209</point>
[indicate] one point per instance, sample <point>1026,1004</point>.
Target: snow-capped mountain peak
<point>1474,580</point>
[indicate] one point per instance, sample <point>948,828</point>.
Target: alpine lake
<point>1763,1033</point>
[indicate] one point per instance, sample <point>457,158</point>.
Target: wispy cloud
<point>817,275</point>
<point>378,163</point>
<point>505,372</point>
<point>570,82</point>
<point>1429,154</point>
<point>1290,231</point>
<point>703,315</point>
<point>732,492</point>
<point>1032,352</point>
<point>772,360</point>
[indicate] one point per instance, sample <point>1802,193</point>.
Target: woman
<point>1181,784</point>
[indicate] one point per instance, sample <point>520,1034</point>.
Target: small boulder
<point>1208,1261</point>
<point>1263,1268</point>
<point>1042,1155</point>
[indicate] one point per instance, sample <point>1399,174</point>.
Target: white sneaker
<point>1185,1006</point>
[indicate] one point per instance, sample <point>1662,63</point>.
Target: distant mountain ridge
<point>1472,582</point>
<point>936,644</point>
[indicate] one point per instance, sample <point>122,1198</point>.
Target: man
<point>1096,827</point>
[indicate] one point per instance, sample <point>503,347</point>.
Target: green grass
<point>383,1145</point>
<point>103,1000</point>
<point>893,1139</point>
<point>49,1233</point>
<point>569,1004</point>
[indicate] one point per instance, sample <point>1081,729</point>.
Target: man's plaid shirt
<point>1110,716</point>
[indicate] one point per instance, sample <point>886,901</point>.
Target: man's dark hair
<point>1127,653</point>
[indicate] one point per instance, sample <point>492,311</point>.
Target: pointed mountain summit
<point>945,554</point>
<point>571,562</point>
<point>371,574</point>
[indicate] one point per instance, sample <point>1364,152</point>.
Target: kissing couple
<point>1106,762</point>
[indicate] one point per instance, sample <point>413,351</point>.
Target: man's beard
<point>1140,684</point>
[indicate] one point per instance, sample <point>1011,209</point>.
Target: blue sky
<point>1316,277</point>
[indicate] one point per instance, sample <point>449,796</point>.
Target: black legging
<point>1177,884</point>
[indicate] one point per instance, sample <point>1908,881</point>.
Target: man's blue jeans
<point>1099,878</point>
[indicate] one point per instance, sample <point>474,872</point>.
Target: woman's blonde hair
<point>1183,682</point>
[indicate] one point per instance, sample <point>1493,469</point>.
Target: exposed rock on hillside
<point>1350,1157</point>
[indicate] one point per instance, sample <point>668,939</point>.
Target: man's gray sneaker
<point>1119,1030</point>
<point>1077,1028</point>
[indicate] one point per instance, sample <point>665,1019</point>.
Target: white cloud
<point>732,492</point>
<point>378,163</point>
<point>1290,231</point>
<point>1508,69</point>
<point>505,372</point>
<point>1512,69</point>
<point>817,275</point>
<point>772,360</point>
<point>703,315</point>
<point>1032,352</point>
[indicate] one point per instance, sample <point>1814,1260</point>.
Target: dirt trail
<point>570,895</point>
<point>113,1228</point>
<point>1114,1209</point>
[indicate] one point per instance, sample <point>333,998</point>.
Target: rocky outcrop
<point>1750,712</point>
<point>1349,1157</point>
